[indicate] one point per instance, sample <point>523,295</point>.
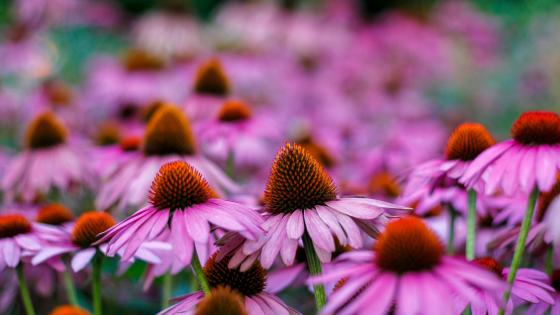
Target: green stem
<point>230,165</point>
<point>451,236</point>
<point>166,290</point>
<point>197,268</point>
<point>24,291</point>
<point>549,260</point>
<point>96,284</point>
<point>471,224</point>
<point>314,266</point>
<point>520,246</point>
<point>69,284</point>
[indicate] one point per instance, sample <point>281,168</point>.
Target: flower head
<point>467,141</point>
<point>234,111</point>
<point>54,214</point>
<point>17,239</point>
<point>89,225</point>
<point>211,79</point>
<point>45,131</point>
<point>222,300</point>
<point>169,132</point>
<point>537,128</point>
<point>69,310</point>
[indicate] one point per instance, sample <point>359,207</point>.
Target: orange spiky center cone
<point>179,186</point>
<point>467,141</point>
<point>141,60</point>
<point>535,128</point>
<point>45,131</point>
<point>169,132</point>
<point>69,310</point>
<point>248,283</point>
<point>222,300</point>
<point>89,225</point>
<point>297,181</point>
<point>13,224</point>
<point>211,79</point>
<point>54,214</point>
<point>234,111</point>
<point>408,245</point>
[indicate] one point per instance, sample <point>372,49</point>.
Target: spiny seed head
<point>222,300</point>
<point>89,225</point>
<point>130,143</point>
<point>408,245</point>
<point>108,134</point>
<point>468,141</point>
<point>248,283</point>
<point>211,79</point>
<point>384,183</point>
<point>297,181</point>
<point>69,310</point>
<point>13,224</point>
<point>490,264</point>
<point>54,214</point>
<point>234,111</point>
<point>45,131</point>
<point>169,132</point>
<point>534,128</point>
<point>140,60</point>
<point>178,185</point>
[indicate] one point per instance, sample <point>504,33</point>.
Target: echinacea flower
<point>17,240</point>
<point>530,286</point>
<point>545,307</point>
<point>49,161</point>
<point>436,182</point>
<point>237,134</point>
<point>79,240</point>
<point>69,310</point>
<point>300,197</point>
<point>408,269</point>
<point>249,283</point>
<point>182,205</point>
<point>222,300</point>
<point>527,161</point>
<point>168,137</point>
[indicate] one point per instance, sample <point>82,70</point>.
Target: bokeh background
<point>307,63</point>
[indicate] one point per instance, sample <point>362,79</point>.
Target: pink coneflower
<point>530,286</point>
<point>250,284</point>
<point>544,307</point>
<point>17,240</point>
<point>168,137</point>
<point>300,198</point>
<point>407,267</point>
<point>211,87</point>
<point>183,205</point>
<point>527,161</point>
<point>238,135</point>
<point>78,239</point>
<point>48,162</point>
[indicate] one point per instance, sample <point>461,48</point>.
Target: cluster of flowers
<point>363,204</point>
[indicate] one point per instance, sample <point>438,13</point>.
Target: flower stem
<point>24,291</point>
<point>549,260</point>
<point>451,236</point>
<point>471,224</point>
<point>166,290</point>
<point>197,268</point>
<point>230,164</point>
<point>69,284</point>
<point>314,266</point>
<point>520,246</point>
<point>96,283</point>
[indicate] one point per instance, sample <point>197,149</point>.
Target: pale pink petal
<point>295,226</point>
<point>318,231</point>
<point>82,259</point>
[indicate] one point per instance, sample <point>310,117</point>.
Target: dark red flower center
<point>490,264</point>
<point>54,214</point>
<point>13,224</point>
<point>408,245</point>
<point>179,186</point>
<point>248,283</point>
<point>222,300</point>
<point>169,132</point>
<point>234,111</point>
<point>467,141</point>
<point>58,93</point>
<point>45,131</point>
<point>131,143</point>
<point>69,310</point>
<point>211,79</point>
<point>534,128</point>
<point>297,181</point>
<point>89,225</point>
